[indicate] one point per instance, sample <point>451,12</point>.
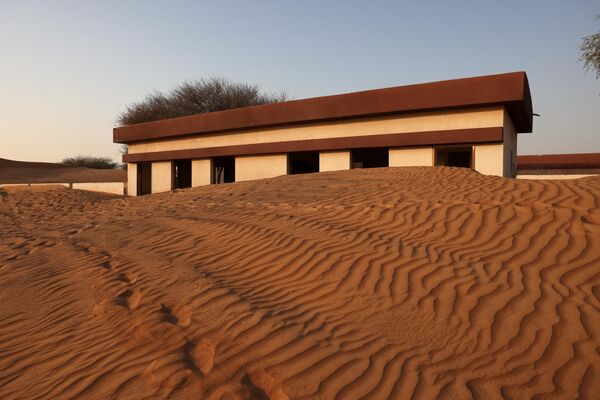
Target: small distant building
<point>558,166</point>
<point>471,122</point>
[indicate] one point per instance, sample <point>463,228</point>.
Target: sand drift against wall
<point>389,283</point>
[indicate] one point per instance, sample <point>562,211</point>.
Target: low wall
<point>104,187</point>
<point>35,184</point>
<point>557,176</point>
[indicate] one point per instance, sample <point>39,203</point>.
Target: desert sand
<point>391,283</point>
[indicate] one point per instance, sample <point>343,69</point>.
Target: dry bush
<point>196,97</point>
<point>590,52</point>
<point>91,162</point>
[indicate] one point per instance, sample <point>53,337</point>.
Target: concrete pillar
<point>259,167</point>
<point>489,159</point>
<point>420,157</point>
<point>334,160</point>
<point>162,179</point>
<point>132,179</point>
<point>510,147</point>
<point>201,172</point>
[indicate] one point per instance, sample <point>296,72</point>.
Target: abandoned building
<point>470,122</point>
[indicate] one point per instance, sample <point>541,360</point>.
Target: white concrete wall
<point>334,160</point>
<point>162,176</point>
<point>489,159</point>
<point>104,187</point>
<point>416,157</point>
<point>201,172</point>
<point>35,184</point>
<point>574,176</point>
<point>131,179</point>
<point>259,167</point>
<point>401,123</point>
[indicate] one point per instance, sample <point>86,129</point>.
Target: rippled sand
<point>389,283</point>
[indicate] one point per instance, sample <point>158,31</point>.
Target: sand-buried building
<point>471,122</point>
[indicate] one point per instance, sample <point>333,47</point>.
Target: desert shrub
<point>91,162</point>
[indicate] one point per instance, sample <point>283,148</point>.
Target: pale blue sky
<point>69,67</point>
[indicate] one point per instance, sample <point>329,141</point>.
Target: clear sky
<point>69,67</point>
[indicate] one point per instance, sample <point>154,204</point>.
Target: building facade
<point>470,122</point>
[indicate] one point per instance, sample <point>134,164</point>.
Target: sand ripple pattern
<point>366,284</point>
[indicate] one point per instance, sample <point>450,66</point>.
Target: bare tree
<point>196,97</point>
<point>590,52</point>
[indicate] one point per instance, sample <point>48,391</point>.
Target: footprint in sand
<point>130,299</point>
<point>200,354</point>
<point>179,315</point>
<point>133,301</point>
<point>106,265</point>
<point>127,277</point>
<point>99,308</point>
<point>262,385</point>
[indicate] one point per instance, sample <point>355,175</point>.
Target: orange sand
<point>390,283</point>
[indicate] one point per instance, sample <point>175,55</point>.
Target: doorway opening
<point>303,162</point>
<point>377,157</point>
<point>223,170</point>
<point>182,174</point>
<point>454,157</point>
<point>144,178</point>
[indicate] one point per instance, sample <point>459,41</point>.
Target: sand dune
<point>40,172</point>
<point>364,284</point>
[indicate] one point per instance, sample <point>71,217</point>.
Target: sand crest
<point>373,284</point>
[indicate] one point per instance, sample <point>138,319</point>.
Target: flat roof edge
<point>510,90</point>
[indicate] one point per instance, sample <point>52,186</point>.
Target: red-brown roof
<point>559,161</point>
<point>510,90</point>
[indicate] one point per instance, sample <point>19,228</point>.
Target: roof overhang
<point>510,90</point>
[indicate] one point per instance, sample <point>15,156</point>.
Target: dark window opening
<point>182,174</point>
<point>454,157</point>
<point>144,178</point>
<point>304,162</point>
<point>223,170</point>
<point>371,158</point>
